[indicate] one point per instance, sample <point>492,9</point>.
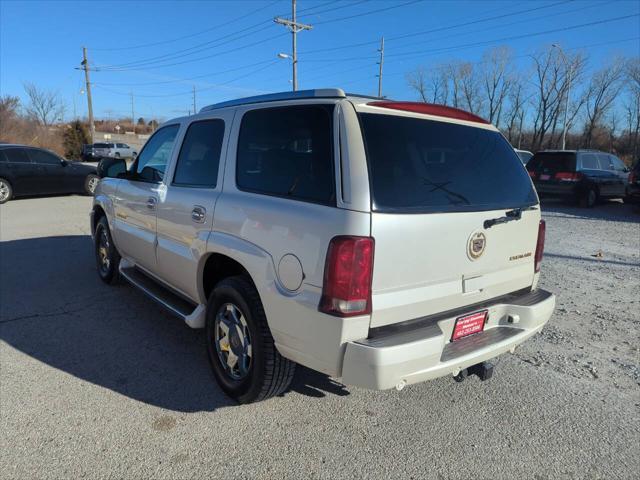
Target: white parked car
<point>383,242</point>
<point>113,150</point>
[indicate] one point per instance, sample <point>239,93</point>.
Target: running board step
<point>193,315</point>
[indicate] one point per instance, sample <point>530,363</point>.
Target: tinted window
<point>121,145</point>
<point>552,162</point>
<point>605,162</point>
<point>421,165</point>
<point>200,154</point>
<point>617,163</point>
<point>152,161</point>
<point>100,145</point>
<point>288,152</point>
<point>42,157</point>
<point>590,161</point>
<point>17,155</point>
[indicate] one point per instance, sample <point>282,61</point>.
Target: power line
<point>163,42</point>
<point>190,92</point>
<point>371,12</point>
<point>197,48</point>
<point>439,29</point>
<point>518,37</point>
<point>502,39</point>
<point>179,80</point>
<point>259,42</point>
<point>479,62</point>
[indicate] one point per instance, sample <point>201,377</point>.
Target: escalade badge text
<point>477,244</point>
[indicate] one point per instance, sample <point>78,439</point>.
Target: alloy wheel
<point>233,341</point>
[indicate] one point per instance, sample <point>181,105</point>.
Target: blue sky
<point>154,49</point>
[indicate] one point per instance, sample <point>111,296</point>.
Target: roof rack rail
<point>274,97</point>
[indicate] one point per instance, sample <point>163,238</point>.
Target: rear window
<point>551,162</point>
<point>418,165</point>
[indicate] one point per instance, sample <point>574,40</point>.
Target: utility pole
<point>133,117</point>
<point>294,27</point>
<point>85,67</point>
<point>194,99</point>
<point>380,63</point>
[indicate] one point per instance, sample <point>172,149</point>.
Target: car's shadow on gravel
<point>54,308</point>
<point>611,210</point>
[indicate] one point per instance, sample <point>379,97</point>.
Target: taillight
<point>532,174</point>
<point>542,227</point>
<point>346,290</point>
<point>568,176</point>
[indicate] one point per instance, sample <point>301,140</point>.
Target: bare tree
<point>496,81</point>
<point>45,106</point>
<point>417,81</point>
<point>551,84</point>
<point>431,85</point>
<point>632,105</point>
<point>516,111</point>
<point>600,94</point>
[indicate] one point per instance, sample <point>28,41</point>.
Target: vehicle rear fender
<point>257,262</point>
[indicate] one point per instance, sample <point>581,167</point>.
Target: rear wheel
<point>241,350</point>
<point>588,198</point>
<point>90,184</point>
<point>107,257</point>
<point>6,192</point>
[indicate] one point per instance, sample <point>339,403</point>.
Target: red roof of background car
<point>430,109</point>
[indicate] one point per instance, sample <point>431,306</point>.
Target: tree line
<point>529,105</point>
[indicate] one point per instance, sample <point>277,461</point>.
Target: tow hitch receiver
<point>483,370</point>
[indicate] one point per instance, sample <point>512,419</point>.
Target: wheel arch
<point>228,256</point>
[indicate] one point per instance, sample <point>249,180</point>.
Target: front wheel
<point>107,257</point>
<point>6,192</point>
<point>243,357</point>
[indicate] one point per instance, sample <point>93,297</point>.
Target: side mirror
<point>112,168</point>
<point>64,163</point>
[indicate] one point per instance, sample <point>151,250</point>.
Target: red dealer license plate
<point>469,324</point>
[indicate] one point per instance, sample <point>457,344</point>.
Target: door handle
<point>151,203</point>
<point>198,214</point>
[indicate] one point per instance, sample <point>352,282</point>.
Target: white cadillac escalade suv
<point>383,242</point>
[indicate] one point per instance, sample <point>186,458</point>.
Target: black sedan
<point>28,170</point>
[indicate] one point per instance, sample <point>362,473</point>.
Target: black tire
<point>269,373</point>
<point>588,198</point>
<point>117,155</point>
<point>6,192</point>
<point>90,183</point>
<point>107,271</point>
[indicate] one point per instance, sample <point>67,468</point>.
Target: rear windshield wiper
<point>511,215</point>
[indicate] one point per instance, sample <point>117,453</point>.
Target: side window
<point>42,157</point>
<point>120,145</point>
<point>152,161</point>
<point>617,163</point>
<point>590,161</point>
<point>200,154</point>
<point>287,152</point>
<point>605,162</point>
<point>17,155</point>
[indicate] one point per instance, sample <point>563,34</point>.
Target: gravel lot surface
<point>98,382</point>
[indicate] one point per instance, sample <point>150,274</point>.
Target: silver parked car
<point>387,243</point>
<point>113,150</point>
